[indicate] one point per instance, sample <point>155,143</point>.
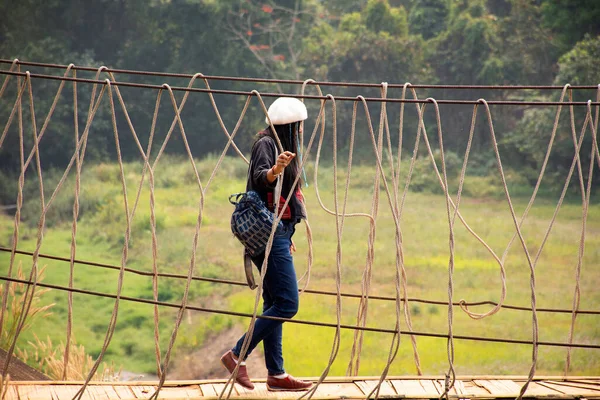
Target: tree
<point>372,45</point>
<point>579,66</point>
<point>428,17</point>
<point>272,32</point>
<point>532,133</point>
<point>570,20</point>
<point>528,53</point>
<point>466,52</point>
<point>380,17</point>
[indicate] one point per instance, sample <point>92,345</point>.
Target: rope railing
<point>298,321</point>
<point>386,187</point>
<point>309,291</point>
<point>298,82</point>
<point>311,97</point>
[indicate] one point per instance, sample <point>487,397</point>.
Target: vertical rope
<point>21,183</point>
<point>377,146</point>
<point>399,207</point>
<point>339,223</point>
<point>78,162</point>
<point>5,83</point>
<point>195,241</point>
<point>29,294</point>
<point>400,275</point>
<point>154,240</point>
<point>20,90</point>
<point>459,215</point>
<point>125,252</point>
<point>192,265</point>
<point>451,375</point>
<point>525,250</point>
<point>33,276</point>
<point>309,238</point>
<point>361,319</point>
<point>585,205</point>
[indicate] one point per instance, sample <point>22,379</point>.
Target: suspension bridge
<point>388,192</point>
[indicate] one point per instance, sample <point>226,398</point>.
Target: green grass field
<point>425,232</point>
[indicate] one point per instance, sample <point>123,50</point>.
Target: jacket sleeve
<point>261,161</point>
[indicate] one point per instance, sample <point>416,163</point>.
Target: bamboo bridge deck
<point>473,387</point>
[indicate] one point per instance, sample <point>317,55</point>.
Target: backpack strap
<point>248,270</point>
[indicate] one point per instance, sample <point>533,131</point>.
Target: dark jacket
<point>262,159</point>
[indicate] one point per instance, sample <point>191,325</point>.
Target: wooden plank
<point>367,387</point>
<point>536,390</point>
<point>342,379</point>
<point>332,388</point>
<point>123,392</point>
<point>208,390</point>
<point>103,392</point>
<point>111,392</point>
<point>260,391</point>
<point>219,387</point>
<point>459,388</point>
<point>12,392</point>
<point>569,387</point>
<point>39,392</point>
<point>191,391</point>
<point>24,391</point>
<point>62,392</point>
<point>439,384</point>
<point>430,387</point>
<point>494,388</point>
<point>162,394</point>
<point>442,388</point>
<point>412,388</point>
<point>510,385</point>
<point>583,384</point>
<point>563,390</point>
<point>595,382</point>
<point>473,390</point>
<point>93,393</point>
<point>243,392</point>
<point>183,392</point>
<point>142,391</point>
<point>337,390</point>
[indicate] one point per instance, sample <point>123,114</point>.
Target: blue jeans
<point>280,299</point>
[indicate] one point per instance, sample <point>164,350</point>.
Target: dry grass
<point>17,293</point>
<point>49,359</point>
<point>43,355</point>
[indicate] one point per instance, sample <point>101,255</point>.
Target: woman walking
<point>280,288</point>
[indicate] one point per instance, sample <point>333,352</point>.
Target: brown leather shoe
<point>288,383</point>
<point>242,376</point>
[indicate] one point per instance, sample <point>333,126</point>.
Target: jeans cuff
<point>276,372</point>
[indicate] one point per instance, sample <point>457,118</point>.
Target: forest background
<point>463,42</point>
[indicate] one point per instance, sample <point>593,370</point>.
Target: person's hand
<point>292,247</point>
<point>283,160</point>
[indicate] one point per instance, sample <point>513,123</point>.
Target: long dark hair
<point>288,135</point>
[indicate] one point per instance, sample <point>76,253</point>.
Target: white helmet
<point>286,110</point>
